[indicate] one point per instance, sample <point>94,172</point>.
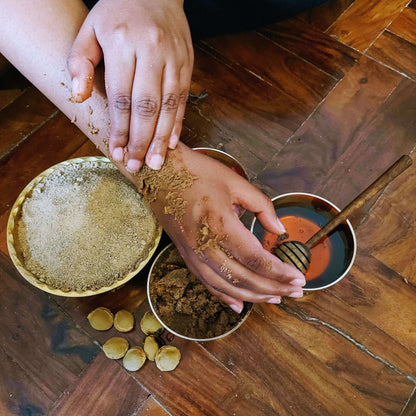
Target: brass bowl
<point>16,255</point>
<point>224,158</point>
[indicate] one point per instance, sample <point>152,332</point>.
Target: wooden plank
<point>405,25</point>
<point>8,96</point>
<point>105,389</point>
<point>199,382</point>
<point>53,143</point>
<point>281,377</point>
<point>396,53</point>
<point>36,334</point>
<point>22,117</point>
<point>292,76</point>
<point>311,44</point>
<point>20,392</point>
<point>323,16</point>
<point>388,232</point>
<point>380,295</point>
<point>3,224</point>
<point>362,23</point>
<point>410,408</point>
<point>377,143</point>
<point>306,160</point>
<point>225,116</point>
<point>151,408</point>
<point>338,337</point>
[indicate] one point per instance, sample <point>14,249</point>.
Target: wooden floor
<point>321,103</point>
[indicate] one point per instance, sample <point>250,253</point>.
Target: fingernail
<point>282,229</point>
<point>173,141</point>
<point>133,165</point>
<point>296,295</point>
<point>298,282</point>
<point>155,162</point>
<point>236,308</point>
<point>274,300</point>
<point>118,154</point>
<point>76,92</point>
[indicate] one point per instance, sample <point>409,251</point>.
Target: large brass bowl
<point>16,255</point>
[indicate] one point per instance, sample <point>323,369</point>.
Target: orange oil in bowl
<point>301,229</point>
<point>302,215</point>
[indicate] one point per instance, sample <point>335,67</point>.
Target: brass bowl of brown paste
<point>80,228</point>
<point>184,306</point>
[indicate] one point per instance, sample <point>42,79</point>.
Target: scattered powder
<point>93,129</point>
<point>208,238</point>
<point>84,226</point>
<point>173,176</point>
<point>226,270</point>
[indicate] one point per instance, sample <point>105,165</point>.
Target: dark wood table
<point>321,103</point>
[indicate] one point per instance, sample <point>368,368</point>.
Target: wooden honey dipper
<point>299,254</point>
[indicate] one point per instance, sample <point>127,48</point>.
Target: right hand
<point>237,268</point>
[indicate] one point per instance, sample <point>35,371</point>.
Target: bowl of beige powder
<point>81,228</point>
<point>184,306</point>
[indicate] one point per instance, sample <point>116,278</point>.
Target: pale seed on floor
<point>116,348</point>
<point>150,324</point>
<point>151,346</point>
<point>134,359</point>
<point>101,319</point>
<point>123,321</point>
<point>167,358</point>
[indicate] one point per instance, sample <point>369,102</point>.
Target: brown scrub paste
<point>184,304</point>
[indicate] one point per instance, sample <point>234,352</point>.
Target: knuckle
<point>169,102</point>
<point>258,263</point>
<point>121,103</point>
<point>120,32</point>
<point>183,97</point>
<point>156,35</point>
<point>146,107</point>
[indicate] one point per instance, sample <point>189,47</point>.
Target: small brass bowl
<point>16,255</point>
<point>224,158</point>
<point>159,261</point>
<point>308,210</point>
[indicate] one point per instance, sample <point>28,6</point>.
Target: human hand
<point>148,58</point>
<point>214,243</point>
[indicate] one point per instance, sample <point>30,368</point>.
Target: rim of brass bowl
<point>224,157</point>
<point>347,222</point>
<point>240,322</point>
<point>19,264</point>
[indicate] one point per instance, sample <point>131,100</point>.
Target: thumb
<point>84,56</point>
<point>255,201</point>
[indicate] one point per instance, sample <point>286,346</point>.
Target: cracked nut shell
<point>167,358</point>
<point>150,324</point>
<point>134,359</point>
<point>123,321</point>
<point>151,346</point>
<point>101,318</point>
<point>116,348</point>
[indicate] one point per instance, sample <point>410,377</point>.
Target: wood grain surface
<point>322,102</point>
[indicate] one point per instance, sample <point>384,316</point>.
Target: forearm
<point>36,36</point>
<point>192,195</point>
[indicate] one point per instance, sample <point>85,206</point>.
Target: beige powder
<point>84,227</point>
<point>174,177</point>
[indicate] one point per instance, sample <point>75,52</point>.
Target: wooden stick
<point>384,179</point>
